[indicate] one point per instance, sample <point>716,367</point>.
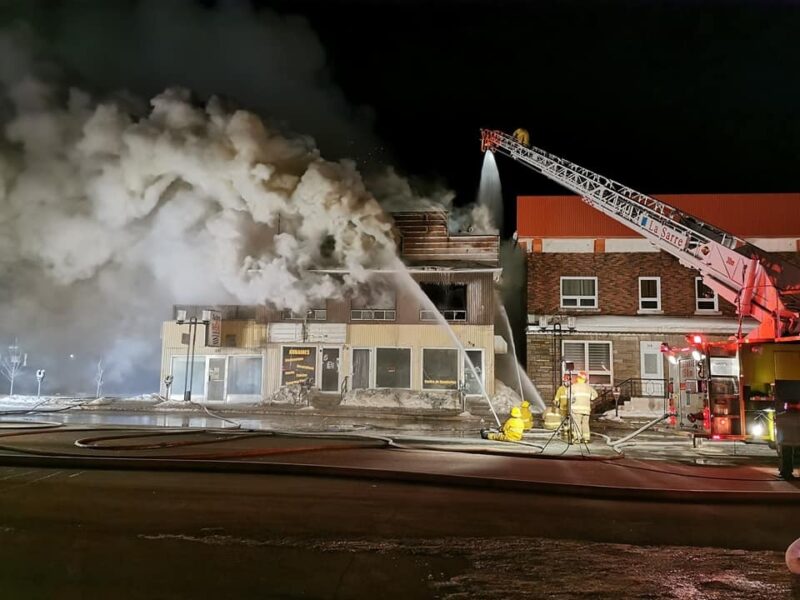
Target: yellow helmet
<point>515,412</point>
<point>525,404</point>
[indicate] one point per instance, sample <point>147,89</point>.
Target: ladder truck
<point>748,376</point>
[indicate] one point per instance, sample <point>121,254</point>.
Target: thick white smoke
<point>106,219</point>
<point>113,210</point>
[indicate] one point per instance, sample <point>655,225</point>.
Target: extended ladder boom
<point>738,271</point>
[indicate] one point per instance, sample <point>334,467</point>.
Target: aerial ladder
<point>760,285</point>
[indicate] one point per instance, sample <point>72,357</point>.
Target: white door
<point>652,369</point>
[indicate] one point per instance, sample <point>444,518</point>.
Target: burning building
<point>424,327</point>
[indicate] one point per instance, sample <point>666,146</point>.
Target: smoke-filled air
<point>112,209</point>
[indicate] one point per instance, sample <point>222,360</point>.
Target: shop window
<point>449,299</point>
<point>393,368</point>
<point>579,292</point>
<point>706,299</point>
<point>471,385</point>
<point>244,375</point>
<point>361,360</point>
<point>198,373</point>
<point>649,293</point>
<point>595,358</point>
<point>299,366</point>
<point>439,369</point>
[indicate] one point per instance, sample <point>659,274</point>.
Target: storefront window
<point>179,376</point>
<point>471,385</point>
<point>393,368</point>
<point>244,375</point>
<point>439,369</point>
<point>360,368</point>
<point>299,366</point>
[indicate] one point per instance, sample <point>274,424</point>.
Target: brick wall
<point>617,274</point>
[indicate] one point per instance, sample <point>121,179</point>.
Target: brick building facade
<point>604,298</point>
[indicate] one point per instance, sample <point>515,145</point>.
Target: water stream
<point>527,390</point>
<point>412,285</point>
<point>490,191</point>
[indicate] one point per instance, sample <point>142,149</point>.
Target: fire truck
<point>747,387</point>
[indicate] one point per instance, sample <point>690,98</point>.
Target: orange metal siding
<point>746,215</point>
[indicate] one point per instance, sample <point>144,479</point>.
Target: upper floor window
<point>650,294</point>
<point>579,292</point>
<point>705,299</point>
<point>449,299</point>
<point>377,303</point>
<point>312,314</point>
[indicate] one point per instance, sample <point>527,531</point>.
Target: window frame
<point>196,359</point>
<point>466,370</point>
<point>370,367</point>
<point>609,373</point>
<point>422,369</point>
<point>281,384</point>
<point>657,309</point>
<point>697,299</point>
<point>230,357</point>
<point>577,299</point>
<point>374,376</point>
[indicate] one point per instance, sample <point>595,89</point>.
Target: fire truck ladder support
<point>760,285</point>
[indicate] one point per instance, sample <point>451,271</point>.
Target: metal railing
<point>634,387</point>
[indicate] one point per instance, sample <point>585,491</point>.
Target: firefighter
<point>527,417</point>
<point>582,396</point>
<point>522,136</point>
<point>511,430</point>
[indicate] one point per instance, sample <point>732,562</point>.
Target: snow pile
<point>504,398</point>
<point>296,395</point>
<point>406,399</point>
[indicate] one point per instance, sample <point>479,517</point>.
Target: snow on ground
<point>402,399</point>
<point>504,398</point>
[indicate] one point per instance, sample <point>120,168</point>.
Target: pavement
<point>395,506</point>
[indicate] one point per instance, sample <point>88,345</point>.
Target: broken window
<point>449,299</point>
<point>244,375</point>
<point>439,369</point>
<point>376,301</point>
<point>471,385</point>
<point>198,374</point>
<point>393,368</point>
<point>299,365</point>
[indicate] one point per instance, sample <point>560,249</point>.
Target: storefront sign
<point>214,329</point>
<point>299,366</point>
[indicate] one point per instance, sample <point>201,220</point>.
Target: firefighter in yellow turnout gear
<point>511,430</point>
<point>527,417</point>
<point>582,396</point>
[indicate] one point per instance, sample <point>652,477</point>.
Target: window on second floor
<point>377,303</point>
<point>449,299</point>
<point>649,294</point>
<point>312,314</point>
<point>705,299</point>
<point>579,292</point>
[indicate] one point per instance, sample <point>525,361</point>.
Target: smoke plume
<point>112,208</point>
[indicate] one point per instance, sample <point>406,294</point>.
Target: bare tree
<point>98,377</point>
<point>12,363</point>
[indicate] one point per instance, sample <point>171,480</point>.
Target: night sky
<point>667,97</point>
